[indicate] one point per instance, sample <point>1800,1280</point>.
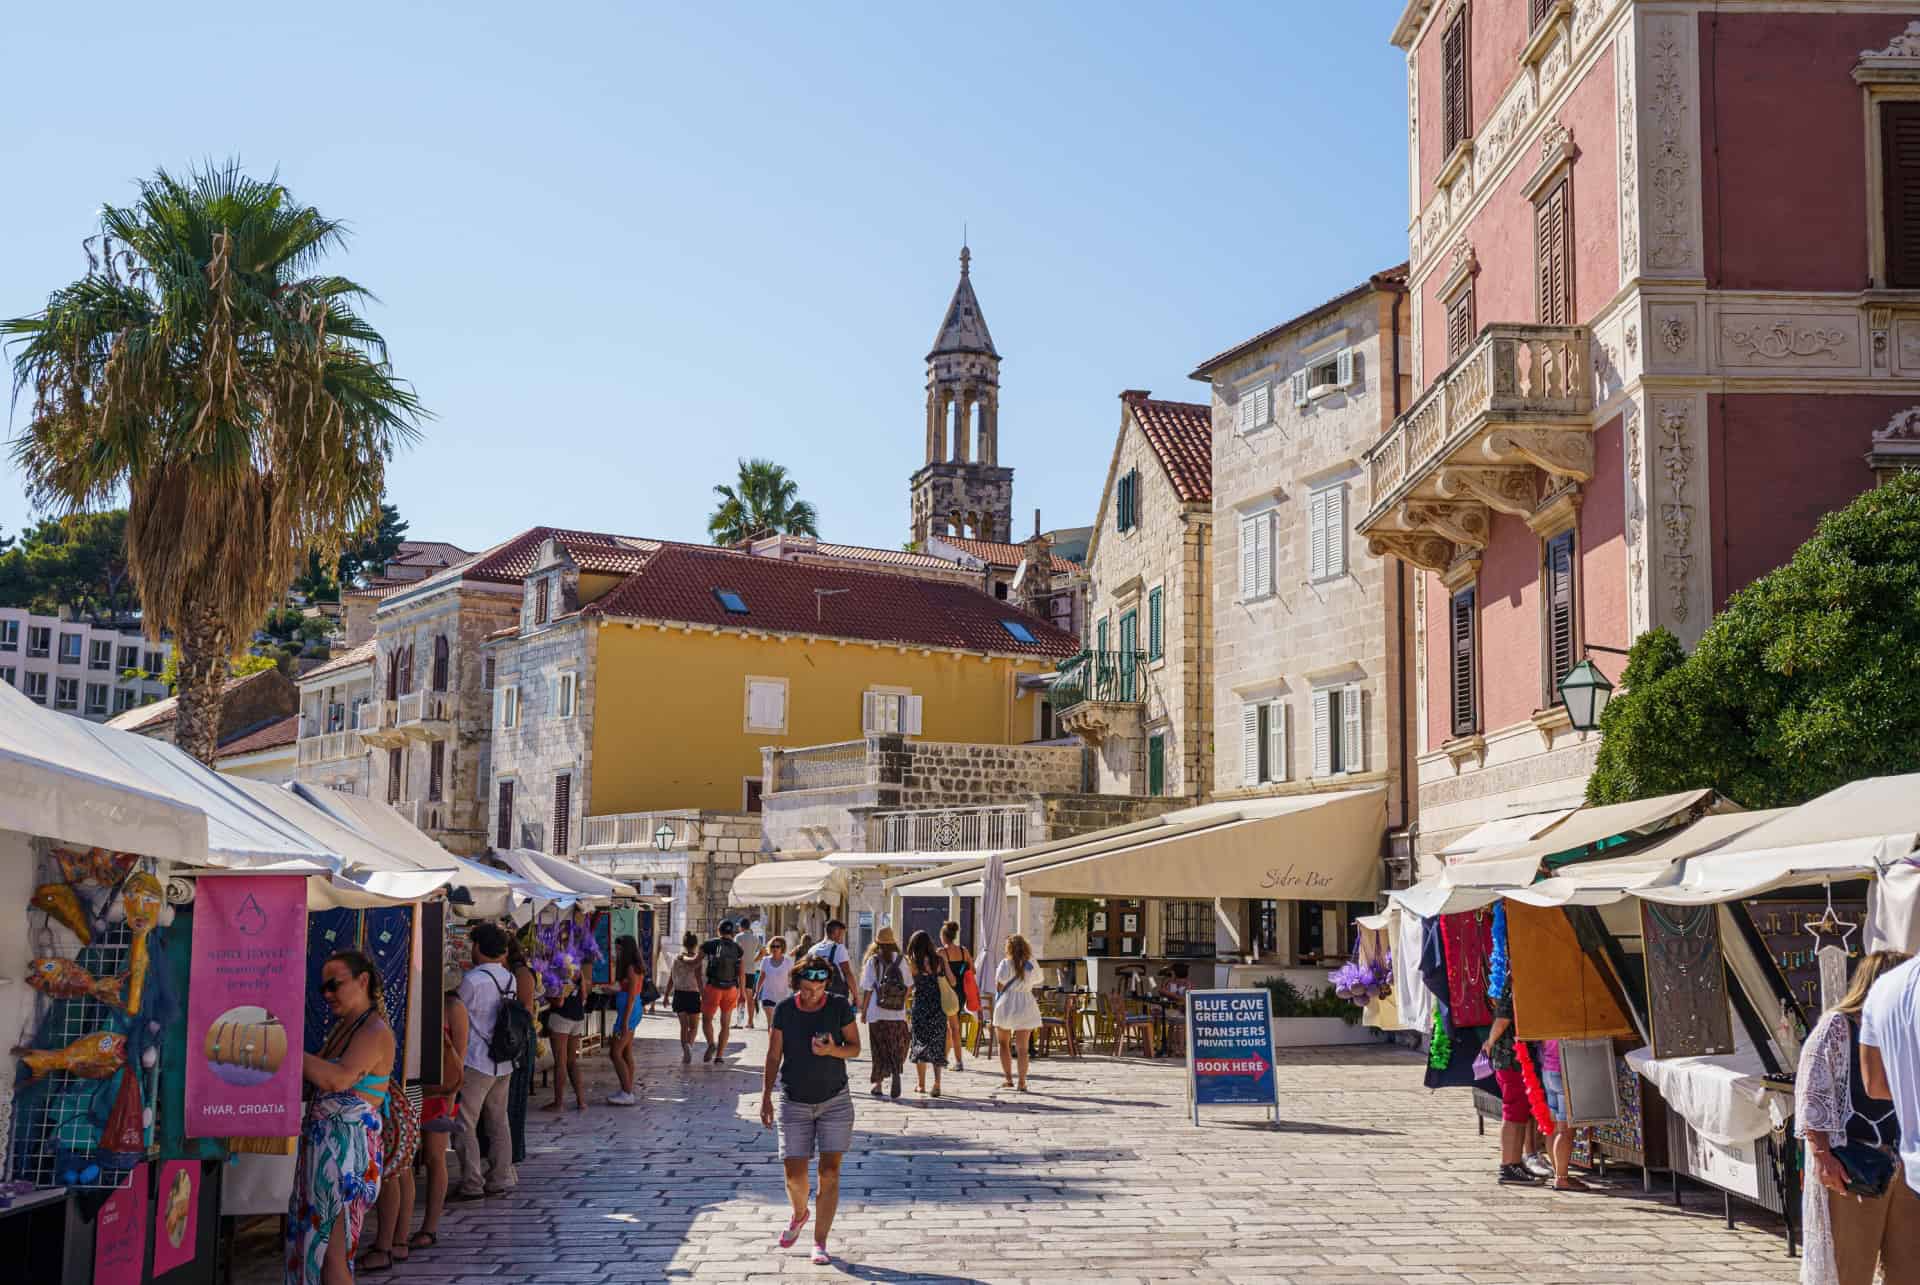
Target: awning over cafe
<point>1307,847</point>
<point>787,883</point>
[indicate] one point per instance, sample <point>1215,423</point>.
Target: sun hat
<point>885,937</point>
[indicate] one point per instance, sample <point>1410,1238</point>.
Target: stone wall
<point>1061,816</point>
<point>543,745</point>
<point>1170,549</point>
<point>1307,634</point>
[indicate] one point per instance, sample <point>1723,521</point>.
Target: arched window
<point>440,656</point>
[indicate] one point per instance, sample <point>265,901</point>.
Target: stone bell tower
<point>962,490</point>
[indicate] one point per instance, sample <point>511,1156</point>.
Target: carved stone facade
<point>962,490</point>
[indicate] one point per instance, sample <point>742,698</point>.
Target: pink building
<point>1665,270</point>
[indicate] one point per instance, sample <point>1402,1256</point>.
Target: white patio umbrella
<point>993,920</point>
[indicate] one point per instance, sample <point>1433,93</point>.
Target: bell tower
<point>961,490</point>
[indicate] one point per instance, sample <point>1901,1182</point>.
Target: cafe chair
<point>1129,1025</point>
<point>1057,1023</point>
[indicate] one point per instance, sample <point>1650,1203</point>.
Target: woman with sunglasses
<point>337,1173</point>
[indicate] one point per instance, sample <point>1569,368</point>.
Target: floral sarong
<point>336,1178</point>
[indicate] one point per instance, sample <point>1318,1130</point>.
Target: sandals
<point>1573,1184</point>
<point>792,1233</point>
<point>821,1258</point>
<point>415,1241</point>
<point>366,1264</point>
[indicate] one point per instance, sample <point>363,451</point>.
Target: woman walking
<point>959,962</point>
<point>687,977</point>
<point>336,1176</point>
<point>929,1020</point>
<point>630,979</point>
<point>883,980</point>
<point>1016,1013</point>
<point>520,1087</point>
<point>1848,1237</point>
<point>776,978</point>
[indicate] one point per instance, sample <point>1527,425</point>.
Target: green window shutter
<point>1129,646</point>
<point>1100,636</point>
<point>1156,628</point>
<point>1156,765</point>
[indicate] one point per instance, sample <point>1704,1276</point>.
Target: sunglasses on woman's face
<point>331,985</point>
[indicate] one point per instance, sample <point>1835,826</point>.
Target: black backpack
<point>723,963</point>
<point>512,1037</point>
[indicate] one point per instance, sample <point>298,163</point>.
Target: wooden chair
<point>1057,1021</point>
<point>1129,1024</point>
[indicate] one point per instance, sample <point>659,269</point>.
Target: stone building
<point>1657,320</point>
<point>962,490</point>
<point>334,705</point>
<point>1042,575</point>
<point>1309,636</point>
<point>1141,693</point>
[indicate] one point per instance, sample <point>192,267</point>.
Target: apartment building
<point>94,671</point>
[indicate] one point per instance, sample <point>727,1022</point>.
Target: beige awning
<point>787,883</point>
<point>1602,882</point>
<point>1308,847</point>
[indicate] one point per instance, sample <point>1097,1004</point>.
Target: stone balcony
<point>380,724</point>
<point>1099,695</point>
<point>950,829</point>
<point>328,747</point>
<point>1507,428</point>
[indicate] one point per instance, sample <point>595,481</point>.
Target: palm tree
<point>206,368</point>
<point>761,502</point>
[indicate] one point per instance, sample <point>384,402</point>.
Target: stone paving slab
<point>1097,1175</point>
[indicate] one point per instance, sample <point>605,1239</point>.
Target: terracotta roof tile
<point>283,731</point>
<point>1181,434</point>
<point>428,553</point>
<point>167,709</point>
<point>513,560</point>
<point>888,557</point>
<point>994,553</point>
<point>680,583</point>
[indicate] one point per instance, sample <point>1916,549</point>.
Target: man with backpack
<point>499,1033</point>
<point>725,961</point>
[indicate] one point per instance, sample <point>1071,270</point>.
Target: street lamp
<point>1585,691</point>
<point>663,837</point>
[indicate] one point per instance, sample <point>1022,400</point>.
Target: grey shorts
<point>557,1025</point>
<point>806,1128</point>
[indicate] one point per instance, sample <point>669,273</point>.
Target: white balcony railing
<point>632,830</point>
<point>948,830</point>
<point>821,766</point>
<point>329,746</point>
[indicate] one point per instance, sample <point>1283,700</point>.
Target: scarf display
<point>1468,938</point>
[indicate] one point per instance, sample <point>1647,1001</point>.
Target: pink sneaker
<point>792,1233</point>
<point>821,1258</point>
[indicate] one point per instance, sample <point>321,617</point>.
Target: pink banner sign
<point>245,1008</point>
<point>120,1234</point>
<point>176,1215</point>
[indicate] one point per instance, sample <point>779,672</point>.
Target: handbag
<point>949,1002</point>
<point>1868,1169</point>
<point>972,989</point>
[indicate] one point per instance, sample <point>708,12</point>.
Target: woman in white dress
<point>1016,1013</point>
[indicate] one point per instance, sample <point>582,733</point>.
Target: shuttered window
<point>436,769</point>
<point>1156,765</point>
<point>1263,741</point>
<point>766,705</point>
<point>1156,624</point>
<point>1327,532</point>
<point>1560,641</point>
<point>564,698</point>
<point>441,656</point>
<point>490,672</point>
<point>1255,411</point>
<point>1900,149</point>
<point>1465,713</point>
<point>396,773</point>
<point>1353,731</point>
<point>1537,11</point>
<point>540,601</point>
<point>1126,506</point>
<point>1129,650</point>
<point>1251,750</point>
<point>1101,636</point>
<point>1256,555</point>
<point>1554,256</point>
<point>503,824</point>
<point>890,713</point>
<point>1459,325</point>
<point>1453,82</point>
<point>562,812</point>
<point>1277,759</point>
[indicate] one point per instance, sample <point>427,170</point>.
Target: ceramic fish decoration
<point>95,865</point>
<point>91,1057</point>
<point>142,900</point>
<point>62,905</point>
<point>64,979</point>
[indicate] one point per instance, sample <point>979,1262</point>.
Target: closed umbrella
<point>993,916</point>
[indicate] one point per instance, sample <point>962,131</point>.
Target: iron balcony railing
<point>1112,676</point>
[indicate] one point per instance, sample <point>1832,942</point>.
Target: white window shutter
<point>1250,744</point>
<point>1249,556</point>
<point>1343,368</point>
<point>1322,733</point>
<point>1263,405</point>
<point>1336,530</point>
<point>1317,526</point>
<point>1300,388</point>
<point>1278,763</point>
<point>776,706</point>
<point>1263,545</point>
<point>912,727</point>
<point>869,713</point>
<point>1353,733</point>
<point>1243,413</point>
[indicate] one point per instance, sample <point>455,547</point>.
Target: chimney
<point>1134,396</point>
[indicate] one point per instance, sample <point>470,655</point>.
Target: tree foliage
<point>1805,682</point>
<point>372,550</point>
<point>78,562</point>
<point>210,370</point>
<point>762,501</point>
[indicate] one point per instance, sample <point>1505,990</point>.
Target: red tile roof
<point>889,557</point>
<point>996,554</point>
<point>679,583</point>
<point>1181,434</point>
<point>513,560</point>
<point>149,718</point>
<point>428,553</point>
<point>282,732</point>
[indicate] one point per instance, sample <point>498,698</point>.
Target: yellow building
<point>647,677</point>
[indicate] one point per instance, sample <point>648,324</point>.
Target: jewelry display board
<point>1787,929</point>
<point>1686,980</point>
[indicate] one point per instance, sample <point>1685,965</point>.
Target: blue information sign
<point>1230,1050</point>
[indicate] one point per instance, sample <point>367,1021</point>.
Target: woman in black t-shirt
<point>810,1039</point>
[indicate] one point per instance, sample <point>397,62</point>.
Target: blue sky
<point>618,246</point>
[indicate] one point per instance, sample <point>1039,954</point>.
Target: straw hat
<point>885,937</point>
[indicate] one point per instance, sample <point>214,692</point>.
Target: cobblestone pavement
<point>1097,1175</point>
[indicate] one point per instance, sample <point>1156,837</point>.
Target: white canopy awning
<point>558,872</point>
<point>787,883</point>
<point>1855,831</point>
<point>1503,832</point>
<point>73,781</point>
<point>1603,882</point>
